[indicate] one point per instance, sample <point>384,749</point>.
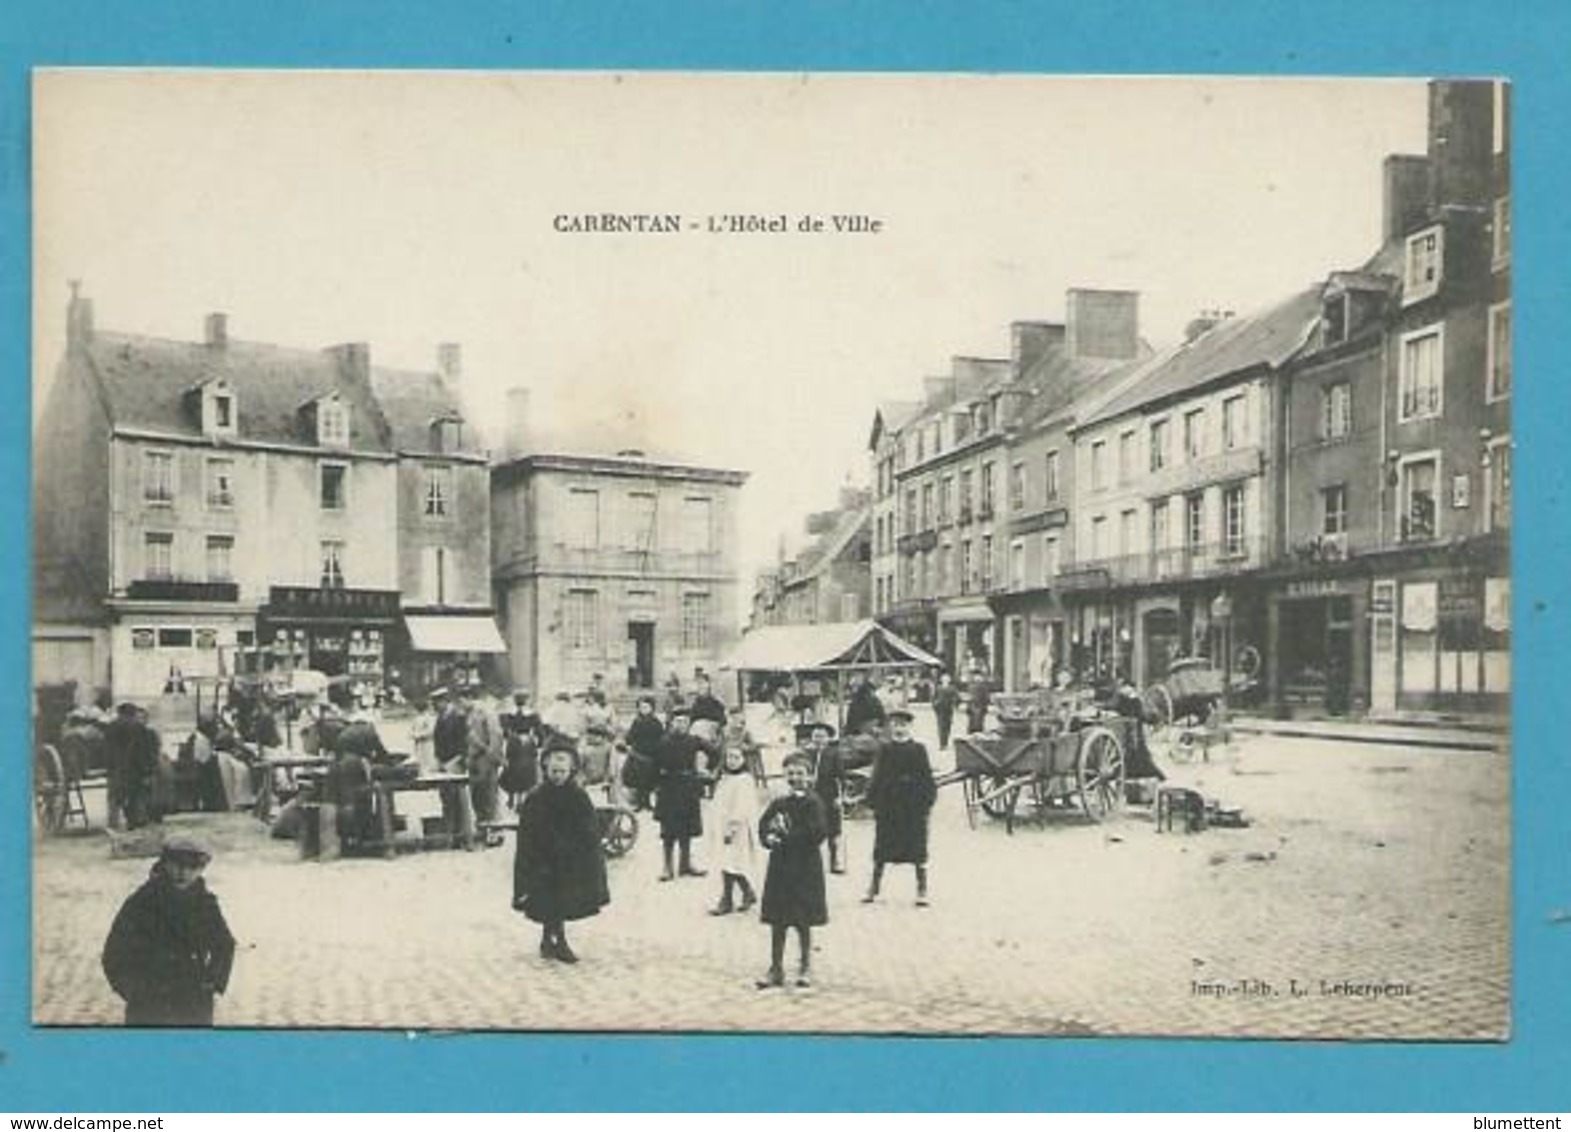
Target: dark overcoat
<point>168,953</point>
<point>679,787</point>
<point>863,709</point>
<point>792,828</point>
<point>559,868</point>
<point>901,794</point>
<point>828,771</point>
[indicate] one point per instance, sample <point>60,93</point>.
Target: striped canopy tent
<point>835,650</point>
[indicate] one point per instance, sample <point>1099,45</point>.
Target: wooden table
<point>287,763</point>
<point>457,815</point>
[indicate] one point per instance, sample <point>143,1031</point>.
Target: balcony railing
<point>1204,560</point>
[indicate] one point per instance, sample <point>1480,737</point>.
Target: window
<point>1194,434</point>
<point>945,567</point>
<point>967,578</point>
<point>1050,477</point>
<point>176,638</point>
<point>946,491</point>
<point>581,619</point>
<point>1233,519</point>
<point>965,496</point>
<point>1334,321</point>
<point>848,607</point>
<point>987,489</point>
<point>332,423</point>
<point>438,490</point>
<point>581,526</point>
<point>927,506</point>
<point>1126,532</point>
<point>438,576</point>
<point>220,558</point>
<point>921,445</point>
<point>910,590</point>
<point>1126,456</point>
<point>1194,520</point>
<point>220,484</point>
<point>1502,232</point>
<point>158,550</point>
<point>1017,565</point>
<point>1158,445</point>
<point>695,621</point>
<point>332,477</point>
<point>1159,531</point>
<point>1017,486</point>
<point>984,418</point>
<point>640,531</point>
<point>1421,374</point>
<point>1425,252</point>
<point>910,510</point>
<point>1497,484</point>
<point>1498,352</point>
<point>1233,424</point>
<point>223,411</point>
<point>332,565</point>
<point>1099,537</point>
<point>1050,559</point>
<point>1098,465</point>
<point>923,572</point>
<point>1420,517</point>
<point>158,477</point>
<point>1336,410</point>
<point>987,563</point>
<point>1333,509</point>
<point>938,437</point>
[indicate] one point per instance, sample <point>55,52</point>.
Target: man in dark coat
<point>864,709</point>
<point>644,736</point>
<point>901,794</point>
<point>522,720</point>
<point>450,733</point>
<point>978,699</point>
<point>559,868</point>
<point>946,699</point>
<point>169,950</point>
<point>792,828</point>
<point>679,790</point>
<point>707,705</point>
<point>131,752</point>
<point>356,751</point>
<point>828,771</point>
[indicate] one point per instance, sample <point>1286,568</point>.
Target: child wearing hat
<point>559,868</point>
<point>902,793</point>
<point>169,951</point>
<point>828,779</point>
<point>791,829</point>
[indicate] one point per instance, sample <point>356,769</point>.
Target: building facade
<point>831,579</point>
<point>620,565</point>
<point>210,508</point>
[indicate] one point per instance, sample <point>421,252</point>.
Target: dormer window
<point>447,435</point>
<point>1423,264</point>
<point>1334,318</point>
<point>223,411</point>
<point>332,423</point>
<point>219,412</point>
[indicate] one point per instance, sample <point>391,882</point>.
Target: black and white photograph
<point>812,553</point>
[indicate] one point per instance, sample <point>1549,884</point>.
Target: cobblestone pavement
<point>1365,866</point>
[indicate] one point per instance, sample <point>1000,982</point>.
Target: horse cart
<point>1048,757</point>
<point>1186,709</point>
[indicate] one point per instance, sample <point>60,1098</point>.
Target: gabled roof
<point>1234,346</point>
<point>1058,381</point>
<point>831,544</point>
<point>144,382</point>
<point>411,401</point>
<point>890,415</point>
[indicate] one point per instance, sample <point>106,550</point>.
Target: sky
<point>409,209</point>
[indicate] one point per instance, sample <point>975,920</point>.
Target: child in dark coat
<point>902,794</point>
<point>559,870</point>
<point>792,828</point>
<point>169,950</point>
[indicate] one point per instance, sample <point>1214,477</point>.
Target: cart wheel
<point>853,790</point>
<point>1099,773</point>
<point>1182,739</point>
<point>621,832</point>
<point>994,799</point>
<point>49,789</point>
<point>972,792</point>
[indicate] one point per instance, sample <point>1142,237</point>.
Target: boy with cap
<point>828,769</point>
<point>901,794</point>
<point>791,829</point>
<point>169,951</point>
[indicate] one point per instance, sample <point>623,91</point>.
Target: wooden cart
<point>1078,767</point>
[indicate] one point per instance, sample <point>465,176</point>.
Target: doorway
<point>641,636</point>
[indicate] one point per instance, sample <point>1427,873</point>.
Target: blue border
<point>65,1071</point>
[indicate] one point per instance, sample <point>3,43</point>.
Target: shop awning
<point>805,648</point>
<point>453,632</point>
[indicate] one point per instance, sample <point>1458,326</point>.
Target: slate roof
<point>145,381</point>
<point>1059,380</point>
<point>1233,346</point>
<point>829,545</point>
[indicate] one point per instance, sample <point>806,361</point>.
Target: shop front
<point>914,621</point>
<point>1440,641</point>
<point>1315,635</point>
<point>1035,637</point>
<point>968,640</point>
<point>337,632</point>
<point>168,636</point>
<point>440,648</point>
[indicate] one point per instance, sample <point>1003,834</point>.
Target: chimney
<point>1033,341</point>
<point>1203,322</point>
<point>1404,194</point>
<point>1461,141</point>
<point>515,442</point>
<point>217,330</point>
<point>450,362</point>
<point>354,361</point>
<point>1102,324</point>
<point>937,391</point>
<point>78,316</point>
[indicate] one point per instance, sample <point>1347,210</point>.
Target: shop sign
<point>1321,587</point>
<point>1460,599</point>
<point>304,601</point>
<point>207,638</point>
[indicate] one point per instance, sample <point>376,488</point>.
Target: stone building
<point>831,578</point>
<point>208,507</point>
<point>622,564</point>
